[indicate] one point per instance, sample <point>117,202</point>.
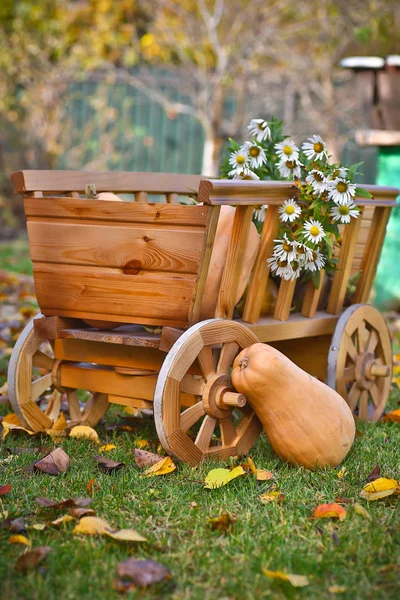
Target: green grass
<point>14,256</point>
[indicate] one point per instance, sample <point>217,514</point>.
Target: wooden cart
<point>145,263</point>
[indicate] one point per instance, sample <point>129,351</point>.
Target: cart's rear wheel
<point>32,391</point>
<point>360,361</point>
<point>188,433</point>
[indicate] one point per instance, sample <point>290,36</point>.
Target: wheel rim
<point>360,361</point>
<point>34,397</point>
<point>193,390</point>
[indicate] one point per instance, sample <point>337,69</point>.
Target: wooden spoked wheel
<point>360,361</point>
<point>189,409</point>
<point>33,391</point>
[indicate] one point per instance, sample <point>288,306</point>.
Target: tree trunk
<point>211,156</point>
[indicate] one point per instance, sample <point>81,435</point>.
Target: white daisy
<point>339,172</point>
<point>287,150</point>
<point>259,129</point>
<point>285,248</point>
<point>344,212</point>
<point>317,180</point>
<point>291,272</point>
<point>304,253</point>
<point>244,173</point>
<point>314,231</point>
<point>256,155</point>
<point>342,191</point>
<point>316,262</point>
<point>279,266</point>
<point>239,159</point>
<point>287,168</point>
<point>289,211</point>
<point>315,148</point>
<point>260,213</point>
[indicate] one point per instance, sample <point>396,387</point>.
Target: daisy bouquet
<point>309,222</point>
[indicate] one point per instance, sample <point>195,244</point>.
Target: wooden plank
<point>79,291</point>
<point>268,329</point>
<point>261,269</point>
<point>315,362</point>
<point>171,406</point>
<point>141,197</point>
<point>182,447</point>
<point>105,181</point>
<point>311,297</point>
<point>134,402</point>
<point>128,335</point>
<point>234,260</point>
<point>128,247</point>
<point>169,335</point>
<point>49,328</point>
<point>115,212</point>
<point>372,252</point>
<point>341,277</point>
<point>284,299</point>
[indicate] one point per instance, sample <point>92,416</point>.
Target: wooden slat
<point>191,415</point>
<point>128,335</point>
<point>134,402</point>
<point>268,329</point>
<point>171,406</point>
<point>130,248</point>
<point>341,277</point>
<point>105,181</point>
<point>169,335</point>
<point>115,212</point>
<point>261,269</point>
<point>181,445</point>
<point>141,197</point>
<point>234,260</point>
<point>171,198</point>
<point>284,300</point>
<point>311,297</point>
<point>371,254</point>
<point>48,328</point>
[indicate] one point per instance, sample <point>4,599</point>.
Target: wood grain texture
<point>284,300</point>
<point>49,327</point>
<point>268,329</point>
<point>125,335</point>
<point>311,297</point>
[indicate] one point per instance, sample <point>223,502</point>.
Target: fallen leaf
<point>134,412</point>
<point>31,559</point>
<point>89,487</point>
<point>333,510</point>
<point>16,525</point>
<point>193,504</point>
<point>337,589</point>
<point>4,489</point>
<point>84,432</point>
<point>11,422</point>
<point>54,463</point>
<point>162,467</point>
<point>272,497</point>
<point>19,539</point>
<point>250,466</point>
<point>343,500</point>
<point>294,580</point>
<point>107,464</point>
<point>78,513</point>
<point>219,477</point>
<point>92,526</point>
<point>71,502</point>
<point>375,473</point>
<point>146,459</point>
<point>393,416</point>
<point>342,472</point>
<point>359,433</point>
<point>139,573</point>
<point>224,522</point>
<point>125,535</point>
<point>380,488</point>
<point>107,448</point>
<point>141,443</point>
<point>263,475</point>
<point>62,519</point>
<point>59,427</point>
<point>361,511</point>
<point>38,526</point>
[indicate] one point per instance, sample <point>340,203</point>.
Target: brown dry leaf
<point>294,580</point>
<point>62,519</point>
<point>92,526</point>
<point>78,513</point>
<point>333,510</point>
<point>359,433</point>
<point>125,535</point>
<point>272,497</point>
<point>84,432</point>
<point>224,522</point>
<point>16,525</point>
<point>11,422</point>
<point>107,448</point>
<point>263,475</point>
<point>361,511</point>
<point>162,467</point>
<point>139,573</point>
<point>31,559</point>
<point>71,502</point>
<point>393,416</point>
<point>19,539</point>
<point>89,487</point>
<point>146,459</point>
<point>107,464</point>
<point>380,488</point>
<point>4,489</point>
<point>54,463</point>
<point>375,473</point>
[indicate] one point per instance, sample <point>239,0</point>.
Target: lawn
<point>350,559</point>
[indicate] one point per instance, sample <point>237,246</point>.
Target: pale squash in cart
<point>307,422</point>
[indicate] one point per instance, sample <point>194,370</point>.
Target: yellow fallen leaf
<point>224,522</point>
<point>38,526</point>
<point>380,488</point>
<point>361,510</point>
<point>342,472</point>
<point>263,475</point>
<point>219,477</point>
<point>19,539</point>
<point>107,448</point>
<point>59,427</point>
<point>333,510</point>
<point>294,580</point>
<point>251,465</point>
<point>272,497</point>
<point>141,443</point>
<point>92,526</point>
<point>393,416</point>
<point>337,589</point>
<point>162,467</point>
<point>10,422</point>
<point>125,535</point>
<point>84,432</point>
<point>134,412</point>
<point>62,519</point>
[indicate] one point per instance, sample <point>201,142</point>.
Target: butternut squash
<point>306,422</point>
<point>218,259</point>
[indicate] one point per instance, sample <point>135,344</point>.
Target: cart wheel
<point>30,375</point>
<point>360,361</point>
<point>186,428</point>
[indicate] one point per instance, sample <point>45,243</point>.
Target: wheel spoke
<point>363,406</point>
<point>349,374</point>
<point>95,408</point>
<point>42,360</point>
<point>353,396</point>
<point>206,361</point>
<point>191,415</point>
<point>228,431</point>
<point>204,436</point>
<point>351,349</point>
<point>362,337</point>
<point>53,406</point>
<point>227,356</point>
<point>375,395</point>
<point>372,341</point>
<point>191,385</point>
<point>41,385</point>
<point>74,407</point>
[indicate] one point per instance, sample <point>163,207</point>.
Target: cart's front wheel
<point>33,393</point>
<point>360,361</point>
<point>189,408</point>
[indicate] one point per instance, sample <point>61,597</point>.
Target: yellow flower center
<point>289,210</point>
<point>341,187</point>
<point>286,247</point>
<point>254,151</point>
<point>344,210</point>
<point>282,263</point>
<point>240,159</point>
<point>318,147</point>
<point>314,230</point>
<point>262,125</point>
<point>291,164</point>
<point>318,177</point>
<point>288,150</point>
<point>335,173</point>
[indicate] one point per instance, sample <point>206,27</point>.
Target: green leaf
<point>316,279</point>
<point>363,193</point>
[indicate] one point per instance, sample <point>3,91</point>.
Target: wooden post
<point>311,298</point>
<point>284,300</point>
